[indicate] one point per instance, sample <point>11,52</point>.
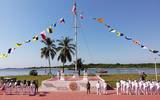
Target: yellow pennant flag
<point>18,44</point>
<point>49,29</point>
<point>3,55</point>
<point>118,34</point>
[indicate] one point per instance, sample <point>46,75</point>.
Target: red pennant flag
<point>43,35</point>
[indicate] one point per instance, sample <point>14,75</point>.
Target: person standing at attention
<point>88,87</point>
<point>105,88</point>
<point>98,86</point>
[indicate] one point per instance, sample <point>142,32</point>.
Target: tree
<point>49,51</point>
<point>66,49</point>
<point>79,65</point>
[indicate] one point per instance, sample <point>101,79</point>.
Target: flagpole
<point>156,68</point>
<point>75,30</point>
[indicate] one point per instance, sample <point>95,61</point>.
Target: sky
<point>139,19</point>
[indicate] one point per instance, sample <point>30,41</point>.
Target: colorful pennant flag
<point>28,41</point>
<point>100,20</point>
<point>55,24</point>
<point>81,16</point>
<point>43,35</point>
<point>112,30</point>
<point>62,20</point>
<point>49,29</point>
<point>35,38</point>
<point>3,55</point>
<point>18,44</point>
<point>143,47</point>
<point>153,51</point>
<point>107,26</point>
<point>74,9</point>
<point>128,38</point>
<point>136,42</point>
<point>10,50</point>
<point>119,34</point>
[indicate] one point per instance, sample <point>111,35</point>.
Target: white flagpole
<point>156,68</point>
<point>75,30</point>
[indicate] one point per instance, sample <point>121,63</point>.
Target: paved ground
<point>78,96</point>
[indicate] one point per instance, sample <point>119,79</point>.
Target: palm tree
<point>49,51</point>
<point>66,49</point>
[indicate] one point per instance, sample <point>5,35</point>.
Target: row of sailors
<point>18,87</point>
<point>138,87</point>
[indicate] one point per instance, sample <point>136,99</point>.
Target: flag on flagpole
<point>43,35</point>
<point>74,9</point>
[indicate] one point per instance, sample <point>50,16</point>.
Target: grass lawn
<point>113,78</point>
<point>110,78</point>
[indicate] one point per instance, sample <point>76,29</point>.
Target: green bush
<point>33,73</point>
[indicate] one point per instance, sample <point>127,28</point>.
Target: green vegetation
<point>33,73</point>
<point>118,65</point>
<point>49,51</point>
<point>66,50</point>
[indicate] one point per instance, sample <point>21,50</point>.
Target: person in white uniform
<point>118,87</point>
<point>104,87</point>
<point>98,86</point>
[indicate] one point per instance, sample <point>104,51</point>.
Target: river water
<point>25,71</point>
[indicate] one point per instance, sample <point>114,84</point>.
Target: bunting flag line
<point>34,38</point>
<point>49,29</point>
<point>118,34</point>
<point>43,35</point>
